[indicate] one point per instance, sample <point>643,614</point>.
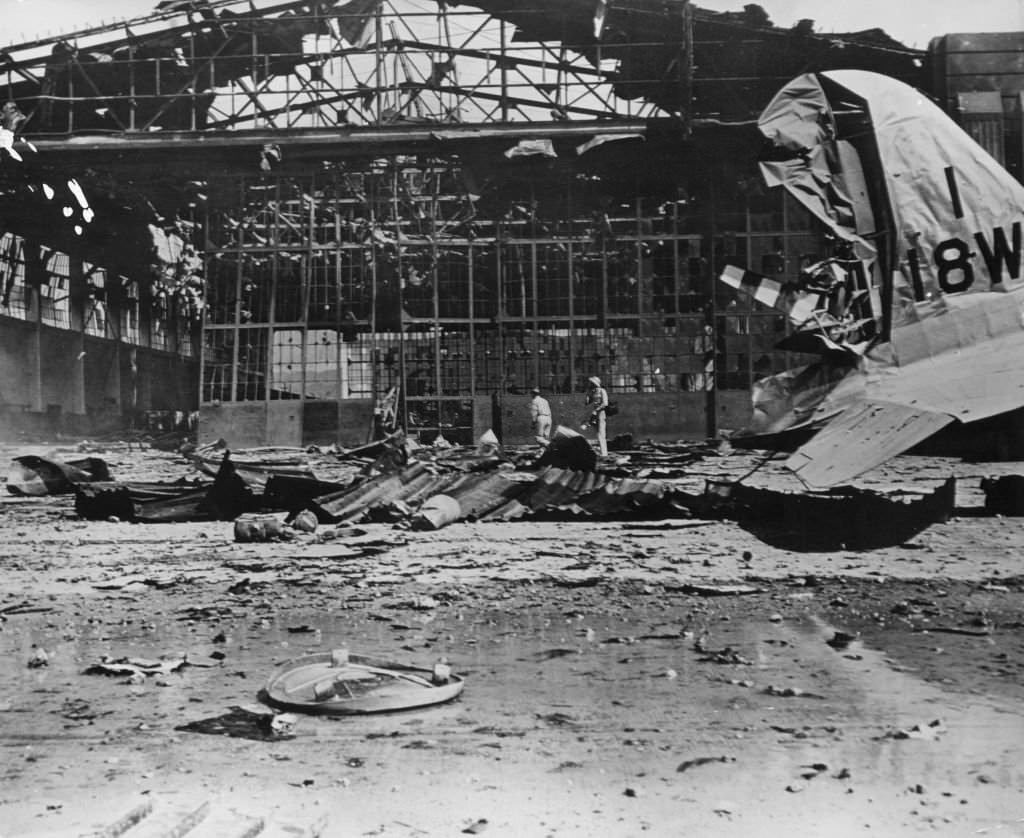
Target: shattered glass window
<point>220,293</point>
<point>184,325</point>
<point>14,298</point>
<point>286,273</point>
<point>324,307</point>
<point>218,365</point>
<point>287,364</point>
<point>487,357</point>
<point>454,358</point>
<point>95,316</point>
<point>359,359</point>
<point>371,274</point>
<point>131,329</point>
<point>55,293</point>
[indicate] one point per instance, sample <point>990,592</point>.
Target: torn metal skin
<point>918,321</point>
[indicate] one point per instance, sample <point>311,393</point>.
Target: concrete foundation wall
<point>734,410</point>
<point>58,381</point>
<point>319,422</point>
<point>355,422</point>
<point>348,422</point>
<point>484,418</point>
<point>60,369</point>
<point>102,375</point>
<point>284,423</point>
<point>166,382</point>
<point>241,425</point>
<point>662,417</point>
<point>289,423</point>
<point>15,357</point>
<point>655,416</point>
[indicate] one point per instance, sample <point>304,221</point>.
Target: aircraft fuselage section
<point>954,260</point>
<point>991,254</point>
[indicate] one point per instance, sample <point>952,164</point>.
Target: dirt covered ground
<point>609,691</point>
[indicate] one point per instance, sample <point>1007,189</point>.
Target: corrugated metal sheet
<point>554,487</point>
<point>623,495</point>
<point>581,493</point>
<point>478,494</point>
<point>494,496</point>
<point>352,504</point>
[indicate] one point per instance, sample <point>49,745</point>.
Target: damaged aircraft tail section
<point>918,319</point>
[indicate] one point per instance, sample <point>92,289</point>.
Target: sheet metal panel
<point>553,487</point>
<point>973,383</point>
<point>493,496</point>
<point>586,493</point>
<point>621,496</point>
<point>921,152</point>
<point>350,504</point>
<point>861,438</point>
<point>558,487</point>
<point>478,494</point>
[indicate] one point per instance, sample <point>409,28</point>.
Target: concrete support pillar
<point>77,301</point>
<point>35,369</point>
<point>147,321</point>
<point>34,352</point>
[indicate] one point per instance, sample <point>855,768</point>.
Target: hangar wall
<point>388,275</point>
<point>78,358</point>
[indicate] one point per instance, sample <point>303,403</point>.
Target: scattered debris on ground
<point>647,654</point>
<point>1004,495</point>
<point>395,480</point>
<point>36,476</point>
<point>845,518</point>
<point>686,765</point>
<point>340,684</point>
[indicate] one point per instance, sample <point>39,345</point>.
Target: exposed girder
<point>237,66</point>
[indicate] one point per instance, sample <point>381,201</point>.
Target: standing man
<point>540,415</point>
<point>597,399</point>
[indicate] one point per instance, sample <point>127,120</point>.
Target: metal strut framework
<point>405,196</point>
<point>229,65</point>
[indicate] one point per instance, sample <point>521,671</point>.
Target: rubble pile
<point>284,493</point>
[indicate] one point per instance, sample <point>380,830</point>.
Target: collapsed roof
<point>697,63</point>
<point>112,105</point>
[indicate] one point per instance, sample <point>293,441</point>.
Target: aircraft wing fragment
<point>861,437</point>
<point>969,383</point>
<point>904,406</point>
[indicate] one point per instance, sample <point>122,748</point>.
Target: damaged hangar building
<point>286,216</point>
